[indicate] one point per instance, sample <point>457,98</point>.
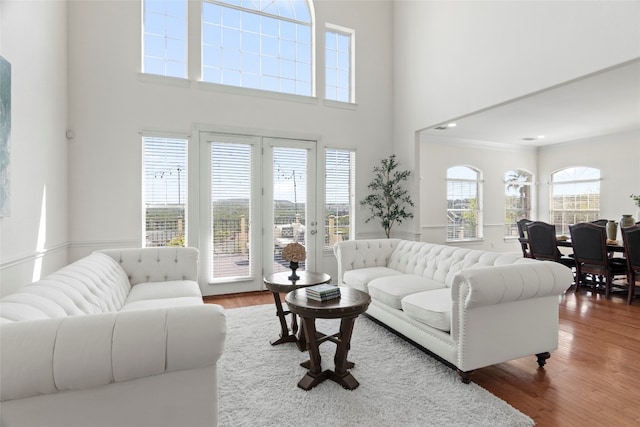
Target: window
<point>463,204</point>
<point>260,45</point>
<point>338,60</point>
<point>165,37</point>
<point>164,174</point>
<point>518,198</point>
<point>231,179</point>
<point>339,205</point>
<point>575,197</point>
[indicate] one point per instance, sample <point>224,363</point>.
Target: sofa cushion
<point>162,290</point>
<point>162,303</point>
<point>432,308</point>
<point>360,277</point>
<point>391,289</point>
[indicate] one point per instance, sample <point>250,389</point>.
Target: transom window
<point>463,204</point>
<point>165,37</point>
<point>338,60</point>
<point>575,197</point>
<point>518,198</point>
<point>258,44</point>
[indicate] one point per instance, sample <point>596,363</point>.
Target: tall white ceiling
<point>598,104</point>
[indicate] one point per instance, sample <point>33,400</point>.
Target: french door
<point>257,196</point>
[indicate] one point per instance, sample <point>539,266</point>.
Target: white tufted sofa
<point>471,308</point>
<point>118,338</point>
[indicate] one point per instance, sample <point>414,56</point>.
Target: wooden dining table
<point>611,247</point>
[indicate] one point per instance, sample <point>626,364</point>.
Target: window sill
<point>451,242</point>
<point>257,93</point>
<point>164,80</point>
<point>339,104</point>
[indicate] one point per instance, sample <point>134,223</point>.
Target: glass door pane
<point>231,177</point>
<point>291,165</point>
<point>289,202</point>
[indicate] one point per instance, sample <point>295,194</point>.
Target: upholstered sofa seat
<point>471,308</point>
<point>118,338</point>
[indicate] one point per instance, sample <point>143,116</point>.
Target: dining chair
<point>589,243</point>
<point>522,237</point>
<point>543,244</point>
<point>631,242</point>
<point>601,222</point>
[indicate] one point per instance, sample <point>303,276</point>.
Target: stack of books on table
<point>323,292</point>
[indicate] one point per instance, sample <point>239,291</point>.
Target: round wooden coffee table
<point>279,282</point>
<point>350,305</point>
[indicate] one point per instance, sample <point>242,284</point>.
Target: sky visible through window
<point>254,44</point>
<point>266,47</point>
<point>338,66</point>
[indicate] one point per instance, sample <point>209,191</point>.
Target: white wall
<point>618,158</point>
<point>110,104</point>
<point>493,161</point>
<point>455,58</point>
<point>33,238</point>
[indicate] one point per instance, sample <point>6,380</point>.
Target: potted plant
<point>388,200</point>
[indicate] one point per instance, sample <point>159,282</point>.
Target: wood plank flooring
<point>593,379</point>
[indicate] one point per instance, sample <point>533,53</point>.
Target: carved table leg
<point>341,375</point>
<point>315,375</point>
<point>284,329</point>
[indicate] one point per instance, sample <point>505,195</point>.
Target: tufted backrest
<point>441,262</point>
<point>94,284</point>
<point>143,265</point>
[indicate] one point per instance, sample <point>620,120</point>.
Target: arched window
<point>258,44</point>
<point>518,198</point>
<point>575,197</point>
<point>464,206</point>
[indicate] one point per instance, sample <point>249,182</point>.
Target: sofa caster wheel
<point>465,376</point>
<point>542,358</point>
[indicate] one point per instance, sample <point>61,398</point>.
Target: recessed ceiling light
<point>540,136</point>
<point>451,125</point>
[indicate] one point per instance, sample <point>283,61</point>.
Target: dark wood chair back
<point>631,242</point>
<point>589,243</point>
<point>601,222</point>
<point>542,241</point>
<point>522,237</point>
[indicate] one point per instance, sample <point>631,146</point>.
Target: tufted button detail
<point>148,277</point>
<point>166,277</point>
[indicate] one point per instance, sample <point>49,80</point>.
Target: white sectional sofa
<point>118,338</point>
<point>471,308</point>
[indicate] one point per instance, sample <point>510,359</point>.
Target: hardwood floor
<point>593,379</point>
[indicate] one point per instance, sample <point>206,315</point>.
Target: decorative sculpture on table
<point>294,253</point>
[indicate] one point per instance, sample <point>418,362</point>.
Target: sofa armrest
<point>80,352</point>
<point>353,254</point>
<point>486,286</point>
<point>157,264</point>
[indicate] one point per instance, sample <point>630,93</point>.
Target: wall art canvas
<point>5,135</point>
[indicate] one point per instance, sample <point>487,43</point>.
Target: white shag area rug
<point>400,385</point>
